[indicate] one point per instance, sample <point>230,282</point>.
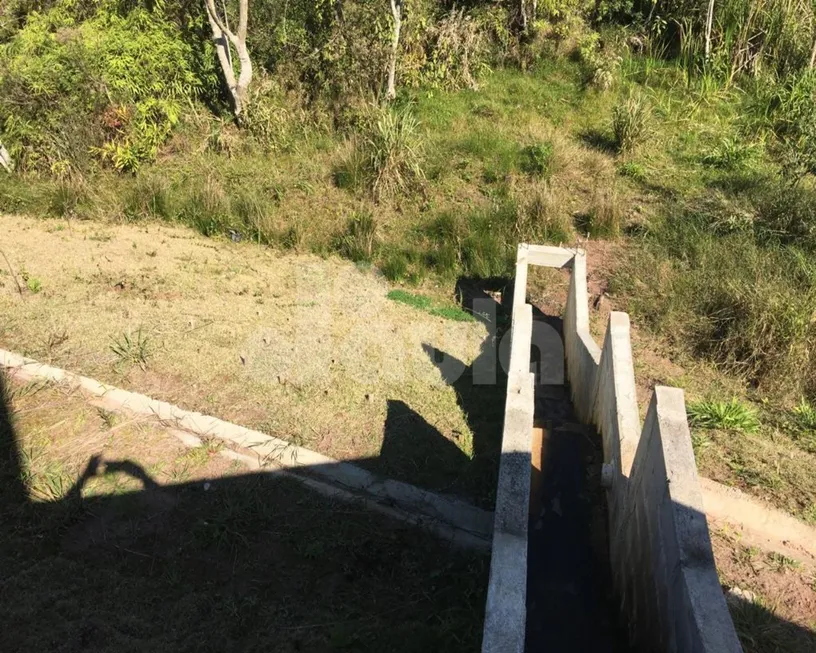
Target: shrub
<point>600,65</point>
<point>726,415</point>
<point>630,122</point>
<point>111,87</point>
<point>392,153</point>
<point>457,52</point>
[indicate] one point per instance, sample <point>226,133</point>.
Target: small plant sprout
<point>132,348</point>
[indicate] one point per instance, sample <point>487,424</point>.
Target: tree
<point>223,37</point>
<point>396,14</point>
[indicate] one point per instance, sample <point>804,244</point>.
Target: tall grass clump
<point>544,218</point>
<point>391,153</point>
<point>206,207</point>
<point>149,197</point>
<point>630,122</point>
<point>359,240</point>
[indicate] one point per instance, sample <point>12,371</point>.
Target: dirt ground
<point>117,537</point>
<point>307,349</point>
<point>772,598</point>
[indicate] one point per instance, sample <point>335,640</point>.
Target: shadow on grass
<point>599,140</point>
<point>249,562</point>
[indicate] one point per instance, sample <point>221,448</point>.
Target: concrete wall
<point>662,564</point>
<point>582,353</point>
<point>664,567</point>
<point>506,608</point>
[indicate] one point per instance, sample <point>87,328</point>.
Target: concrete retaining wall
<point>663,565</point>
<point>660,552</point>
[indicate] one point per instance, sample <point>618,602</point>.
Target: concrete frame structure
<point>660,548</point>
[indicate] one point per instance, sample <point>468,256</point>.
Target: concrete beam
<point>549,257</point>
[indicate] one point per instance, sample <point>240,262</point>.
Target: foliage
<point>730,415</point>
<point>789,112</point>
<point>805,414</point>
<point>538,159</point>
<point>111,87</point>
<point>600,63</point>
<point>759,38</point>
<point>730,154</point>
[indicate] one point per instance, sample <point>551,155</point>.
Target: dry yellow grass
<point>304,348</point>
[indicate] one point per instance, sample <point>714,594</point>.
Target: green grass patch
<point>427,305</point>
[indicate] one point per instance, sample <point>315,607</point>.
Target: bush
<point>630,122</point>
<point>111,87</point>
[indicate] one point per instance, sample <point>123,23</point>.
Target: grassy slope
<point>676,197</point>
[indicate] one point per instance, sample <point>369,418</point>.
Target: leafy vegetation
<point>730,415</point>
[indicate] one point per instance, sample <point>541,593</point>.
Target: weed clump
<point>630,122</point>
<point>358,241</point>
<point>391,153</point>
<point>730,415</point>
<point>132,348</point>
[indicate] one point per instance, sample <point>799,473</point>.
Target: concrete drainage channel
<point>661,565</point>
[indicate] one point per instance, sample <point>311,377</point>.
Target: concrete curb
<point>762,525</point>
<point>467,525</point>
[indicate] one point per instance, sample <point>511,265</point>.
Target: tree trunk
<point>709,28</point>
<point>396,13</point>
<point>813,55</point>
<point>223,37</point>
<point>523,15</point>
<point>5,159</point>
